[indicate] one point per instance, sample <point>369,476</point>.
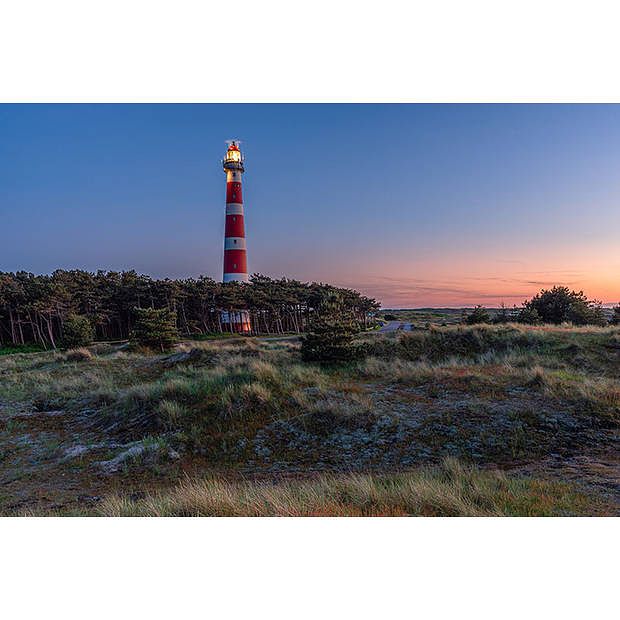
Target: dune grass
<point>449,490</point>
<point>483,394</point>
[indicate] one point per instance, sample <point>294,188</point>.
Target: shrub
<point>77,331</point>
<point>390,317</point>
<point>478,315</point>
<point>561,305</point>
<point>154,329</point>
<point>528,315</point>
<point>615,317</point>
<point>330,337</point>
<point>78,355</point>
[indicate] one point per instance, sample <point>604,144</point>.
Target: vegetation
<point>477,316</point>
<point>555,306</point>
<point>330,335</point>
<point>77,331</point>
<point>34,309</point>
<point>615,318</point>
<point>20,348</point>
<point>503,315</point>
<point>154,329</point>
<point>73,423</point>
<point>447,490</point>
<point>561,305</point>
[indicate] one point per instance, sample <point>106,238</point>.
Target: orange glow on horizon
<point>469,280</point>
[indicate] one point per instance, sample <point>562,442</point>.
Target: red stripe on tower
<point>235,256</point>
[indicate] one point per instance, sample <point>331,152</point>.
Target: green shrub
<point>77,332</point>
<point>154,329</point>
<point>478,315</point>
<point>330,338</point>
<point>528,315</point>
<point>615,317</point>
<point>561,305</point>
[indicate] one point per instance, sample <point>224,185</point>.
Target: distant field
<point>436,316</point>
<point>444,316</point>
<point>504,420</point>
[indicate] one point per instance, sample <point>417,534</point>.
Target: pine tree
<point>331,333</point>
<point>478,315</point>
<point>154,329</point>
<point>77,331</point>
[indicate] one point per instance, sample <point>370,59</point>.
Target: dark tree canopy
<point>35,308</point>
<point>561,305</point>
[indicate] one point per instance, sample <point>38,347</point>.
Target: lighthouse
<point>235,251</point>
<point>235,255</point>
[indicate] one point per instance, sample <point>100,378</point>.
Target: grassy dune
<point>487,396</point>
<point>448,490</point>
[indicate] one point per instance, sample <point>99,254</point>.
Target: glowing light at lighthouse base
<point>238,322</point>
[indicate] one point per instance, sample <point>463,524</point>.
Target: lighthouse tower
<point>235,255</point>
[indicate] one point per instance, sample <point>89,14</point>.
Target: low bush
<point>78,355</point>
<point>77,331</point>
<point>477,315</point>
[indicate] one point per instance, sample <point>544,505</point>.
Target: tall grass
<point>447,490</point>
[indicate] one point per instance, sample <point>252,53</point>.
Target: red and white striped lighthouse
<point>235,255</point>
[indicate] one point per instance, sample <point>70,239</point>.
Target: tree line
<point>35,308</point>
<point>554,306</point>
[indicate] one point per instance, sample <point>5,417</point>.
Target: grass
<point>447,490</point>
<point>482,394</point>
<point>23,348</point>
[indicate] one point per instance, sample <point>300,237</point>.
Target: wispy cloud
<point>410,291</point>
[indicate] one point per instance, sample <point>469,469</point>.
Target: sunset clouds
<point>417,205</point>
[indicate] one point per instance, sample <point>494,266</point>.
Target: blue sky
<point>415,204</point>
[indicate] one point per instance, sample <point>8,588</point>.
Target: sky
<point>416,205</point>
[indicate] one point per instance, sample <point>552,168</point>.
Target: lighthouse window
<point>234,218</point>
<point>235,242</point>
<point>234,265</point>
